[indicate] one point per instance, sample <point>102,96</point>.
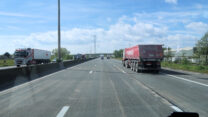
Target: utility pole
<point>59,33</point>
<point>94,44</point>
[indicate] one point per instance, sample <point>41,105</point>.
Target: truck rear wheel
<point>137,70</point>
<point>123,62</point>
<point>134,67</point>
<point>126,64</point>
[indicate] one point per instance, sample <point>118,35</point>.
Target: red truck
<point>143,57</point>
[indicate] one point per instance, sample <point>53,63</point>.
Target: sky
<point>117,24</point>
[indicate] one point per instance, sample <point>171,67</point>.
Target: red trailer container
<point>143,57</point>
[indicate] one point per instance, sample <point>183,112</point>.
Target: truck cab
<point>22,57</point>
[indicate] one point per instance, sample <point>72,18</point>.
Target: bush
<point>200,67</point>
<point>68,57</point>
<point>188,66</point>
<point>185,61</point>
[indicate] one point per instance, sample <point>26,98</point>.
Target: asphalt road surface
<point>103,88</point>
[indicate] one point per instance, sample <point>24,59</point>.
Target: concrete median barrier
<point>15,76</point>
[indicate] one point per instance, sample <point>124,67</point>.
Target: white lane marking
<point>90,72</point>
<point>187,80</point>
<point>63,111</point>
<point>176,108</point>
<point>119,69</point>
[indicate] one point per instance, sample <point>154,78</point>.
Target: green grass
<point>186,67</point>
<point>118,58</point>
<point>9,62</point>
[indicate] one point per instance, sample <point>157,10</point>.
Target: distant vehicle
<point>83,57</point>
<point>102,57</point>
<point>108,56</point>
<point>28,56</point>
<point>143,57</point>
<point>54,60</point>
<point>79,57</point>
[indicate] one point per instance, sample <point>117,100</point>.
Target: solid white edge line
<point>63,111</point>
<point>176,108</point>
<point>187,80</point>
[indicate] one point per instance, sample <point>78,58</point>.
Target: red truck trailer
<point>143,57</point>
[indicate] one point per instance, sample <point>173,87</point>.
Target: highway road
<point>103,88</point>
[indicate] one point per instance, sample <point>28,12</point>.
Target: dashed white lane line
<point>187,80</point>
<point>119,69</point>
<point>176,108</point>
<point>63,111</point>
<point>91,72</point>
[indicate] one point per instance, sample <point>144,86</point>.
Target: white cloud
<point>77,40</point>
<point>171,1</point>
<point>16,14</point>
<point>198,27</point>
<point>127,31</point>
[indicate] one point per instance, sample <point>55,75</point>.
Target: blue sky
<point>116,23</point>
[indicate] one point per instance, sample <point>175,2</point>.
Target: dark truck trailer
<point>143,57</point>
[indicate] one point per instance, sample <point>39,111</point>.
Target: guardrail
<point>14,76</point>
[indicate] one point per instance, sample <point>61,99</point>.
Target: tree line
<point>118,53</point>
<point>65,54</point>
<point>201,49</point>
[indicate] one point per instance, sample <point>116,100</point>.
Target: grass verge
<point>186,67</point>
<point>9,62</point>
<point>118,58</point>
